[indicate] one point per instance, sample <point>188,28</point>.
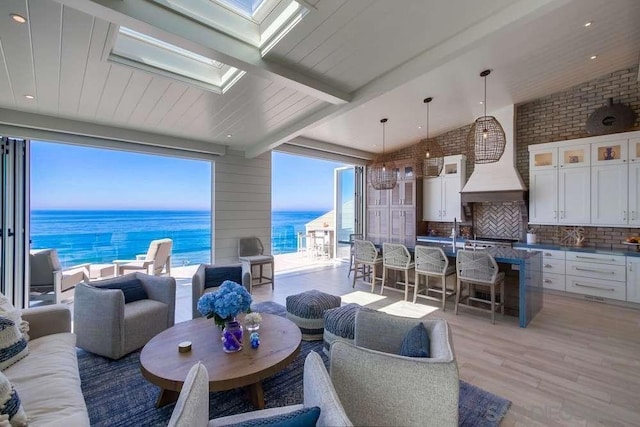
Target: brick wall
<point>562,116</point>
<point>557,117</point>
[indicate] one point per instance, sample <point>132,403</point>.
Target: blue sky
<point>74,177</point>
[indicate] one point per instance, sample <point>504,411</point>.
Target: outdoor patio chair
<point>251,252</point>
<point>114,317</point>
<point>47,280</point>
<point>209,277</point>
<point>157,259</point>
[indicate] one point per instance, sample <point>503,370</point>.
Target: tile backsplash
<point>502,220</point>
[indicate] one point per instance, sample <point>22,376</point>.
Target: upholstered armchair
<point>114,317</point>
<point>378,387</point>
<point>192,407</point>
<point>209,276</point>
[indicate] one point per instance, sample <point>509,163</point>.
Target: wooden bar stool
<point>479,268</point>
<point>432,262</point>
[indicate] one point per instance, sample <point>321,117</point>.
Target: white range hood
<point>499,181</point>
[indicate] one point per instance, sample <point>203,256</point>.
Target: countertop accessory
<point>572,236</point>
<point>184,347</point>
<point>636,245</point>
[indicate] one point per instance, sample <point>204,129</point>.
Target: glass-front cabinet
<point>574,156</point>
<point>609,153</point>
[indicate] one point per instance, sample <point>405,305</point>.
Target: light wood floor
<point>576,364</point>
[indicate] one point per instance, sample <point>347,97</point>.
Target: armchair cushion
<point>213,277</point>
<point>10,404</point>
<point>13,346</point>
<point>416,342</point>
<point>131,288</point>
<point>304,417</point>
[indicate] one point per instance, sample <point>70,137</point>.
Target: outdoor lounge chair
<point>47,280</point>
<point>157,259</point>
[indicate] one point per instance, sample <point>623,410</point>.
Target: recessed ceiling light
<point>29,96</point>
<point>419,127</point>
<point>587,24</point>
<point>375,145</point>
<point>481,102</point>
<point>593,56</point>
<point>18,18</point>
<point>229,135</point>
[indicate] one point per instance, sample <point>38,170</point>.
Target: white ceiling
<point>383,57</point>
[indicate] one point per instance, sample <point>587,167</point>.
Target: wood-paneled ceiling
<point>329,80</point>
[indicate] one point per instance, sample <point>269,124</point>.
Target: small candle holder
<point>252,321</point>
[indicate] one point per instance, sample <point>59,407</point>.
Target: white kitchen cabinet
<point>633,279</point>
<point>543,196</point>
<point>377,225</point>
<point>599,275</point>
<point>609,153</point>
<point>441,194</point>
<point>574,196</point>
<point>377,198</point>
<point>609,195</point>
<point>574,155</point>
<point>634,194</point>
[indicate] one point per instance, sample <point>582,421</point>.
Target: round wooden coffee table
<point>164,366</point>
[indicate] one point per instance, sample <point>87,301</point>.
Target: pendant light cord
<point>485,98</point>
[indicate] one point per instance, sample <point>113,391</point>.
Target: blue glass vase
<point>232,337</point>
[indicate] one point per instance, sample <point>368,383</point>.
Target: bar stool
<point>366,256</point>
<point>479,268</point>
<point>396,256</point>
<point>352,253</point>
<point>432,262</point>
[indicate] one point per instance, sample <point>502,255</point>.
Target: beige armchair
<point>107,325</point>
<point>414,391</point>
<point>47,280</point>
<point>154,262</point>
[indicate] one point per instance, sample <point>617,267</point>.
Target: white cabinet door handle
<point>633,215</point>
<point>548,281</point>
<point>591,257</point>
<point>547,254</point>
<point>548,266</point>
<point>555,214</point>
<point>593,270</point>
<point>624,215</point>
<point>595,287</point>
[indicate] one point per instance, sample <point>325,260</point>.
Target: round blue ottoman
<point>339,325</point>
<point>307,309</point>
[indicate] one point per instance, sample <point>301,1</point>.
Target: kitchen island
<point>529,266</point>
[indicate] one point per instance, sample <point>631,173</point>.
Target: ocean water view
<point>101,236</point>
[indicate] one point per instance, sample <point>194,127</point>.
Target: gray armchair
<point>106,326</point>
<point>209,276</point>
<point>378,387</point>
<point>192,408</point>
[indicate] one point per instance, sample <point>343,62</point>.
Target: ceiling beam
<point>163,24</point>
<point>75,127</point>
<point>421,64</point>
<point>327,147</point>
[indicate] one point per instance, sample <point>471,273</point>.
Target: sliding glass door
<point>14,226</point>
<point>348,207</point>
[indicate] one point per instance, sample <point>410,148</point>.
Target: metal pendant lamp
<point>382,173</point>
<point>430,151</point>
<point>486,139</point>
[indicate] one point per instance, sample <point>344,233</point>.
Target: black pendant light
<point>382,173</point>
<point>430,151</point>
<point>486,139</point>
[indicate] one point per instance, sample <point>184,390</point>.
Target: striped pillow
<point>13,345</point>
<point>8,310</point>
<point>10,405</point>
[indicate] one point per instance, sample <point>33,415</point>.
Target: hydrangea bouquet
<point>225,303</point>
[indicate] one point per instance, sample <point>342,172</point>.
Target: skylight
<point>149,54</point>
<point>260,23</point>
<point>246,7</point>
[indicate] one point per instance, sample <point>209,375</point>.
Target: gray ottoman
<point>307,309</point>
<point>339,325</point>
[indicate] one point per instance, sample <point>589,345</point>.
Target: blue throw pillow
<point>132,289</point>
<point>214,276</point>
<point>305,417</point>
<point>416,342</point>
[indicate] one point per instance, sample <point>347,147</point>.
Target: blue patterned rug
<point>117,395</point>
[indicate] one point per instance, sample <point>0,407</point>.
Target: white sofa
<point>47,379</point>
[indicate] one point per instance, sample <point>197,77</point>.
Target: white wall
<point>241,204</point>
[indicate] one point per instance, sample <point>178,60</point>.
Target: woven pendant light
<point>430,151</point>
<point>486,139</point>
<point>382,173</point>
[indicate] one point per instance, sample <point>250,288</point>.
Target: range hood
<point>499,181</point>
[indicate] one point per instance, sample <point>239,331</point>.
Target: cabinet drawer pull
<point>548,254</point>
<point>595,287</point>
<point>591,257</point>
<point>548,281</point>
<point>548,266</point>
<point>593,270</point>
